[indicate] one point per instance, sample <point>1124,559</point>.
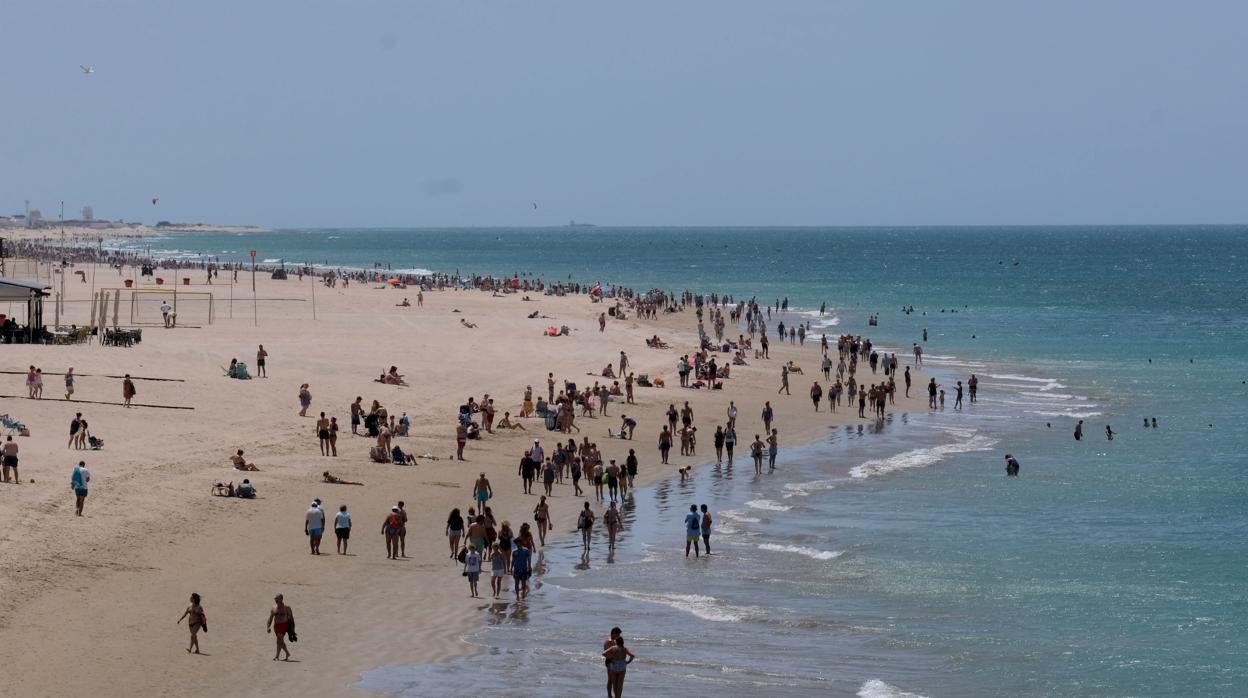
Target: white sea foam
<point>920,457</point>
<point>704,607</point>
<point>767,505</point>
<point>1066,413</point>
<point>808,552</point>
<point>735,515</point>
<point>270,260</point>
<point>805,489</point>
<point>1025,379</point>
<point>1054,396</point>
<point>876,688</point>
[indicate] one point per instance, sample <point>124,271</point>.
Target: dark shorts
<point>80,493</point>
<point>355,420</point>
<point>342,533</point>
<point>259,362</point>
<point>324,433</point>
<point>10,461</point>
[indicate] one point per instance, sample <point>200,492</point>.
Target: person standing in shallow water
<point>618,658</point>
<point>706,529</point>
<point>1011,465</point>
<point>1079,431</point>
<point>693,530</point>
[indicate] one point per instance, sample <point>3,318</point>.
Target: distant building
<point>88,213</point>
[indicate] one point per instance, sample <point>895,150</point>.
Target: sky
<point>414,113</point>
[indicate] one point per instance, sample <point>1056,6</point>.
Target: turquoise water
<point>1108,568</point>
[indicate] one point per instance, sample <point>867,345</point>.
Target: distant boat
<point>574,224</point>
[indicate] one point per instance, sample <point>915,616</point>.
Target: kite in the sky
<point>155,199</point>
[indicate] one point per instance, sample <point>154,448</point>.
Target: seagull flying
<point>534,205</point>
<point>87,69</point>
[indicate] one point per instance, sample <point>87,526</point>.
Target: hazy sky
<point>422,113</point>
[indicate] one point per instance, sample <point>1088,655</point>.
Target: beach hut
<point>29,292</point>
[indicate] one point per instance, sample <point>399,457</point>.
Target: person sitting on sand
<point>246,490</point>
<point>794,368</point>
<point>608,372</point>
<point>506,423</point>
<point>405,304</point>
<point>241,463</point>
<point>332,480</point>
<point>404,426</point>
<point>393,377</point>
<point>401,458</point>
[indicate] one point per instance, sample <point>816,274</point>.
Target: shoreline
<point>243,551</point>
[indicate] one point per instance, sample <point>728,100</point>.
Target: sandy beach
<point>107,588</point>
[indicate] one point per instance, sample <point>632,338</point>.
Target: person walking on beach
<point>314,527</point>
<point>1079,431</point>
<point>9,472</point>
<point>164,311</point>
<point>281,621</point>
<point>342,529</point>
<point>305,400</point>
<point>719,444</point>
<point>69,383</point>
<point>472,569</point>
<point>402,534</point>
<point>454,531</point>
<point>732,414</point>
<point>195,621</point>
<point>693,530</point>
<point>768,415</point>
<point>79,479</point>
<point>773,448</point>
<point>74,425</point>
<point>623,364</point>
<point>665,444</point>
<point>618,658</point>
<point>931,394</point>
<point>756,452</point>
<point>816,394</point>
<point>521,570</point>
<point>127,390</point>
<point>706,529</point>
<point>957,399</point>
<point>908,382</point>
<point>482,492</point>
<point>784,380</point>
<point>541,514</point>
<point>322,433</point>
<point>730,442</point>
<point>611,518</point>
<point>585,523</point>
<point>261,355</point>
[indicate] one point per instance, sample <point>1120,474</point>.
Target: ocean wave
<point>804,489</point>
<point>920,457</point>
<point>270,260</point>
<point>767,505</point>
<point>734,515</point>
<point>1025,379</point>
<point>1066,413</point>
<point>808,552</point>
<point>876,688</point>
<point>704,607</point>
<point>1054,396</point>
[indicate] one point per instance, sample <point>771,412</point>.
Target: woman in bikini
<point>305,400</point>
<point>333,436</point>
<point>454,531</point>
<point>195,620</point>
<point>541,514</point>
<point>618,658</point>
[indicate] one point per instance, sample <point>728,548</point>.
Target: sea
<point>897,559</point>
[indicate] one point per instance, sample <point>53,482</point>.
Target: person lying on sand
<point>469,325</point>
<point>794,368</point>
<point>326,477</point>
<point>241,463</point>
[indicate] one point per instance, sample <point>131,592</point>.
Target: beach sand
<point>89,604</point>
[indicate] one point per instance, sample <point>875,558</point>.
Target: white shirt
<point>342,520</point>
<point>315,518</point>
<point>165,308</point>
<point>536,453</point>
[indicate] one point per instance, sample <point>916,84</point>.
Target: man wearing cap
<point>314,526</point>
<point>536,453</point>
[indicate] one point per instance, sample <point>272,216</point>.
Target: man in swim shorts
<point>314,527</point>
